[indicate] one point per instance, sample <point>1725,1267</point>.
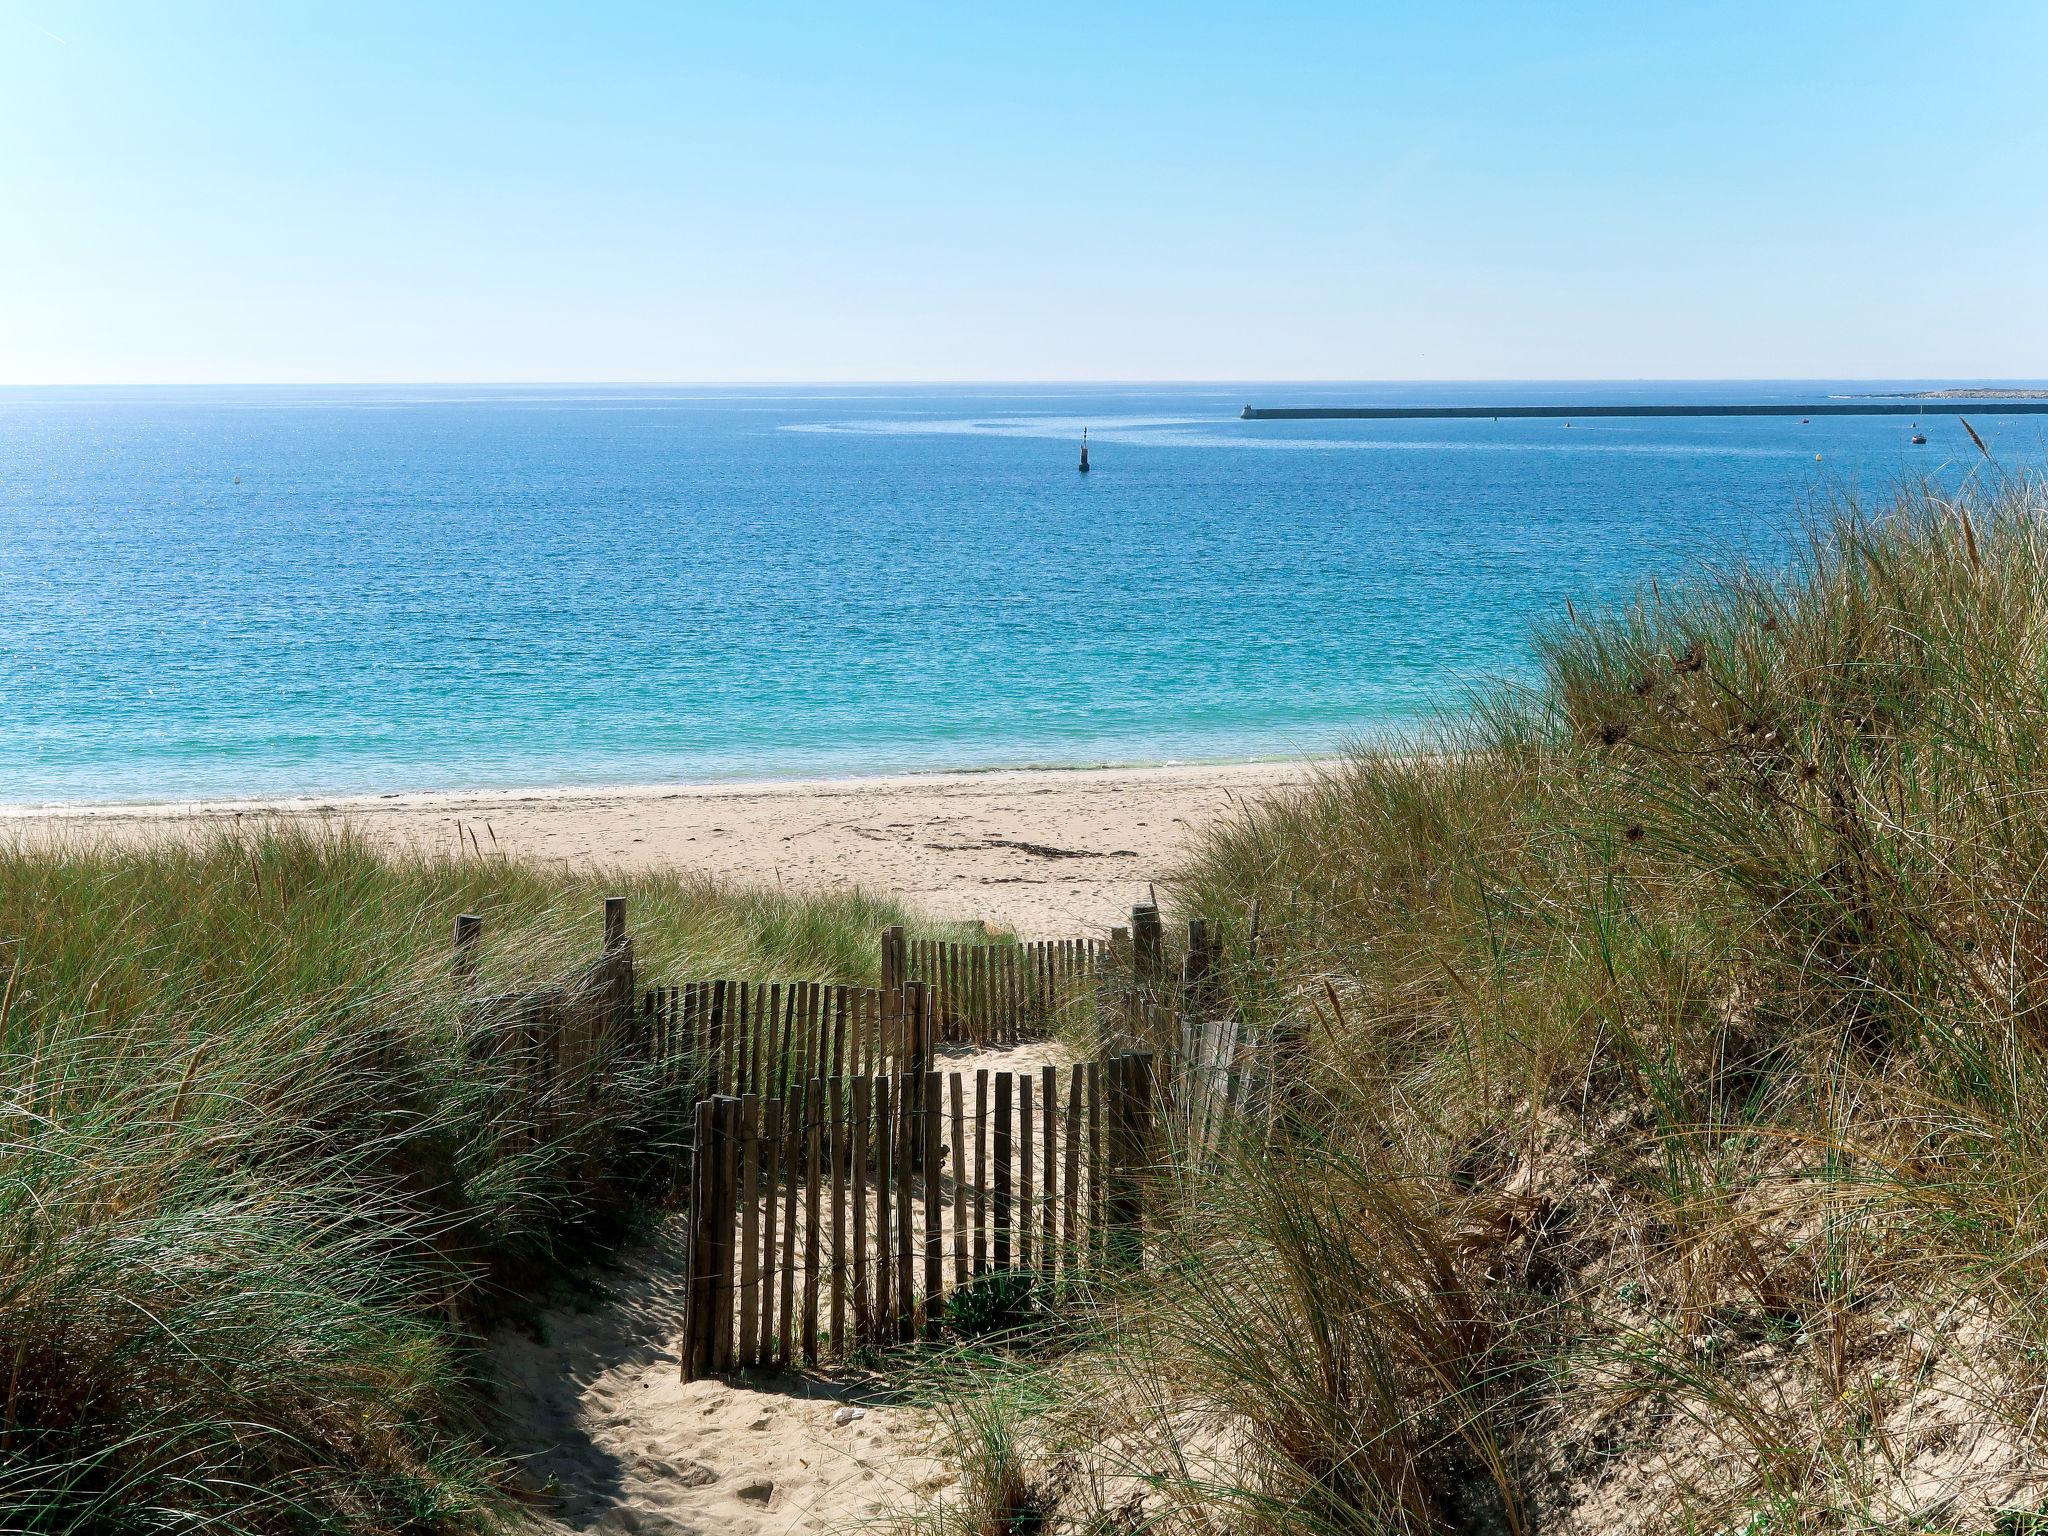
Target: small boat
<point>1084,450</point>
<point>1805,421</point>
<point>1917,437</point>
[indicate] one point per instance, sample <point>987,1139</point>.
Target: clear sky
<point>204,190</point>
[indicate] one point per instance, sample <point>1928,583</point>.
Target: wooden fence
<point>1218,1085</point>
<point>999,994</point>
<point>732,1036</point>
<point>740,1037</point>
<point>842,1192</point>
<point>849,1212</point>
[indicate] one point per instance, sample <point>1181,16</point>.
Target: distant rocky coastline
<point>1957,394</point>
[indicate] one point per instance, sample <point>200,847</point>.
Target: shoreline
<point>1044,852</point>
<point>343,802</point>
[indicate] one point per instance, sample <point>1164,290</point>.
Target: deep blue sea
<point>220,592</point>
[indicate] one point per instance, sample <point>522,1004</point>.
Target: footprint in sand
<point>690,1474</point>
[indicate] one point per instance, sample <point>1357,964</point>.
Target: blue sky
<point>279,191</point>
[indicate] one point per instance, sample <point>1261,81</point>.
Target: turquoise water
<point>320,590</point>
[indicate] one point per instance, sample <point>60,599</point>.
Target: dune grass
<point>253,1196</point>
<point>1672,1149</point>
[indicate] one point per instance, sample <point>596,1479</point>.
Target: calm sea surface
<point>319,590</point>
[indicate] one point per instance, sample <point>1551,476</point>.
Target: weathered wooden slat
<point>721,1046</point>
<point>1095,1169</point>
<point>958,1166</point>
<point>1129,1154</point>
<point>703,1246</point>
<point>750,1229</point>
<point>771,1158</point>
<point>981,1136</point>
<point>1005,1087</point>
<point>1070,1254</point>
<point>728,1176</point>
<point>792,1182</point>
<point>885,1232</point>
<point>1145,1147</point>
<point>918,1025</point>
<point>1025,1203</point>
<point>1049,1224</point>
<point>1020,1026</point>
<point>892,956</point>
<point>909,1111</point>
<point>863,1318</point>
<point>934,1279</point>
<point>814,1116</point>
<point>836,1160</point>
<point>736,1038</point>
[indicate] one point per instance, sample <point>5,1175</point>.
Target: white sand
<point>610,1438</point>
<point>1050,853</point>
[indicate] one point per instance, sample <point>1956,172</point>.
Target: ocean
<point>226,592</point>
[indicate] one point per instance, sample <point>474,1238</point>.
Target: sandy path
<point>610,1438</point>
<point>1050,853</point>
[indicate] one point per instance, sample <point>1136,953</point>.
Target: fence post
<point>469,931</point>
<point>619,948</point>
<point>699,1302</point>
<point>1148,944</point>
<point>894,968</point>
<point>618,954</point>
<point>1130,1147</point>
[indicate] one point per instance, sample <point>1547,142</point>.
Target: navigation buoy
<point>1084,450</point>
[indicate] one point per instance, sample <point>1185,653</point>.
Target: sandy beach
<point>1046,852</point>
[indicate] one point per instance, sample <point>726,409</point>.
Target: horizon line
<point>1980,380</point>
